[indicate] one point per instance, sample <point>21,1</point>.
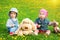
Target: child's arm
<point>8,24</point>
<point>53,23</point>
<point>17,24</point>
<point>37,25</point>
<point>50,23</point>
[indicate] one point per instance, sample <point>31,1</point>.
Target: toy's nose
<point>26,27</point>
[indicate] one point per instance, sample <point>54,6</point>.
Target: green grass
<point>28,9</point>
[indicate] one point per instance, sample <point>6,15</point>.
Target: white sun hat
<point>14,9</point>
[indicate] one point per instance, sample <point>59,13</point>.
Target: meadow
<point>29,9</point>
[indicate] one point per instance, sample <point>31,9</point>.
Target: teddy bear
<point>27,27</point>
<point>55,26</point>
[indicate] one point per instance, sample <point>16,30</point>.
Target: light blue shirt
<point>12,21</point>
<point>9,25</point>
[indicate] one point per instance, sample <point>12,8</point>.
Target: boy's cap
<point>14,9</point>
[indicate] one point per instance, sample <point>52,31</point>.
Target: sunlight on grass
<point>0,38</point>
<point>53,3</point>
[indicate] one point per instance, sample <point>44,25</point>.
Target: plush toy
<point>56,28</point>
<point>27,27</point>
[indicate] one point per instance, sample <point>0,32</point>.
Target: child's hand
<point>38,25</point>
<point>12,25</point>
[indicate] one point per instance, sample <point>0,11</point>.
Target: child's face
<point>12,14</point>
<point>42,15</point>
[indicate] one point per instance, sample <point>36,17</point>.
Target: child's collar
<point>43,19</point>
<point>14,19</point>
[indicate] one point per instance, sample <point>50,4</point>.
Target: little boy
<point>12,22</point>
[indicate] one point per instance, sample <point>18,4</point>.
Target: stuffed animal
<point>27,27</point>
<point>56,28</point>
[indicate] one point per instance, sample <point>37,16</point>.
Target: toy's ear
<point>33,25</point>
<point>22,22</point>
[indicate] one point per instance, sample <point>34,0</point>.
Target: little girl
<point>12,22</point>
<point>42,22</point>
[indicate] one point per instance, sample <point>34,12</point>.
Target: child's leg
<point>8,29</point>
<point>12,30</point>
<point>36,32</point>
<point>16,28</point>
<point>48,32</point>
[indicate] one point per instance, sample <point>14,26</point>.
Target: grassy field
<point>29,9</point>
